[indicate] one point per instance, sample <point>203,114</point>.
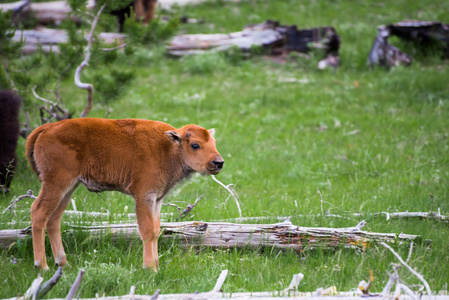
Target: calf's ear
<point>212,132</point>
<point>173,136</point>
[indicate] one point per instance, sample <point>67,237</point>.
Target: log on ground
<point>228,235</point>
<point>270,34</point>
<point>52,12</point>
<point>49,39</point>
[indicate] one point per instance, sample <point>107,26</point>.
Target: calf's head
<point>197,146</point>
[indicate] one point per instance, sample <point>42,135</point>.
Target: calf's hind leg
<point>42,209</point>
<point>54,229</point>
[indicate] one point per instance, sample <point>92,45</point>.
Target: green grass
<point>369,141</point>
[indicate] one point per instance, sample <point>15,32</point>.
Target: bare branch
<point>410,250</point>
<point>78,83</point>
<point>32,291</point>
<point>230,191</point>
<point>321,196</point>
<point>184,212</point>
<point>41,98</point>
<point>156,294</point>
<point>420,277</point>
<point>296,280</point>
<point>75,285</point>
<point>14,201</point>
<point>132,290</point>
<point>364,286</point>
<point>221,279</point>
<point>48,285</point>
<point>115,48</point>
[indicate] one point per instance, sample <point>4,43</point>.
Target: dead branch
<point>184,212</point>
<point>388,216</point>
<point>231,192</point>
<point>228,235</point>
<point>364,286</point>
<point>25,131</point>
<point>54,111</point>
<point>44,12</point>
<point>279,39</point>
<point>384,54</point>
<point>220,282</point>
<point>75,285</point>
<point>47,286</point>
<point>420,277</point>
<point>14,201</point>
<point>78,83</point>
<point>321,197</point>
<point>290,292</point>
<point>47,39</point>
<point>115,48</point>
<point>294,284</point>
<point>32,291</point>
<point>155,295</point>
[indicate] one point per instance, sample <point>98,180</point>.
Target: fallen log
<point>53,12</point>
<point>228,235</point>
<point>290,292</point>
<point>426,35</point>
<point>48,39</point>
<point>280,40</point>
<point>384,54</point>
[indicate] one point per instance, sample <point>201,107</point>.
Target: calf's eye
<point>195,146</point>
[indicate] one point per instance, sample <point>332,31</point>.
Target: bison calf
<point>141,158</point>
<point>9,135</point>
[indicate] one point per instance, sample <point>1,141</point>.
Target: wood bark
<point>228,235</point>
<point>258,295</point>
<point>269,34</point>
<point>44,12</point>
<point>49,39</point>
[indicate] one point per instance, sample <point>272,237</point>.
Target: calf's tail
<point>30,144</point>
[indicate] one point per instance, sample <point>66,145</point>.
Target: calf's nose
<point>218,164</point>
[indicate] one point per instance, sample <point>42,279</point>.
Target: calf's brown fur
<point>141,158</point>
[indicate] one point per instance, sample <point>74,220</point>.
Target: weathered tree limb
<point>44,12</point>
<point>231,192</point>
<point>48,39</point>
<point>54,110</point>
<point>221,279</point>
<point>184,212</point>
<point>384,54</point>
<point>290,292</point>
<point>14,201</point>
<point>228,235</point>
<point>48,285</point>
<point>253,295</point>
<point>279,40</point>
<point>75,285</point>
<point>388,216</point>
<point>420,277</point>
<point>78,83</point>
<point>32,291</point>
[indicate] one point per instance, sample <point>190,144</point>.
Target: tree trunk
<point>228,235</point>
<point>49,39</point>
<point>53,12</point>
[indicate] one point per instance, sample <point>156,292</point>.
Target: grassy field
<point>368,141</point>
